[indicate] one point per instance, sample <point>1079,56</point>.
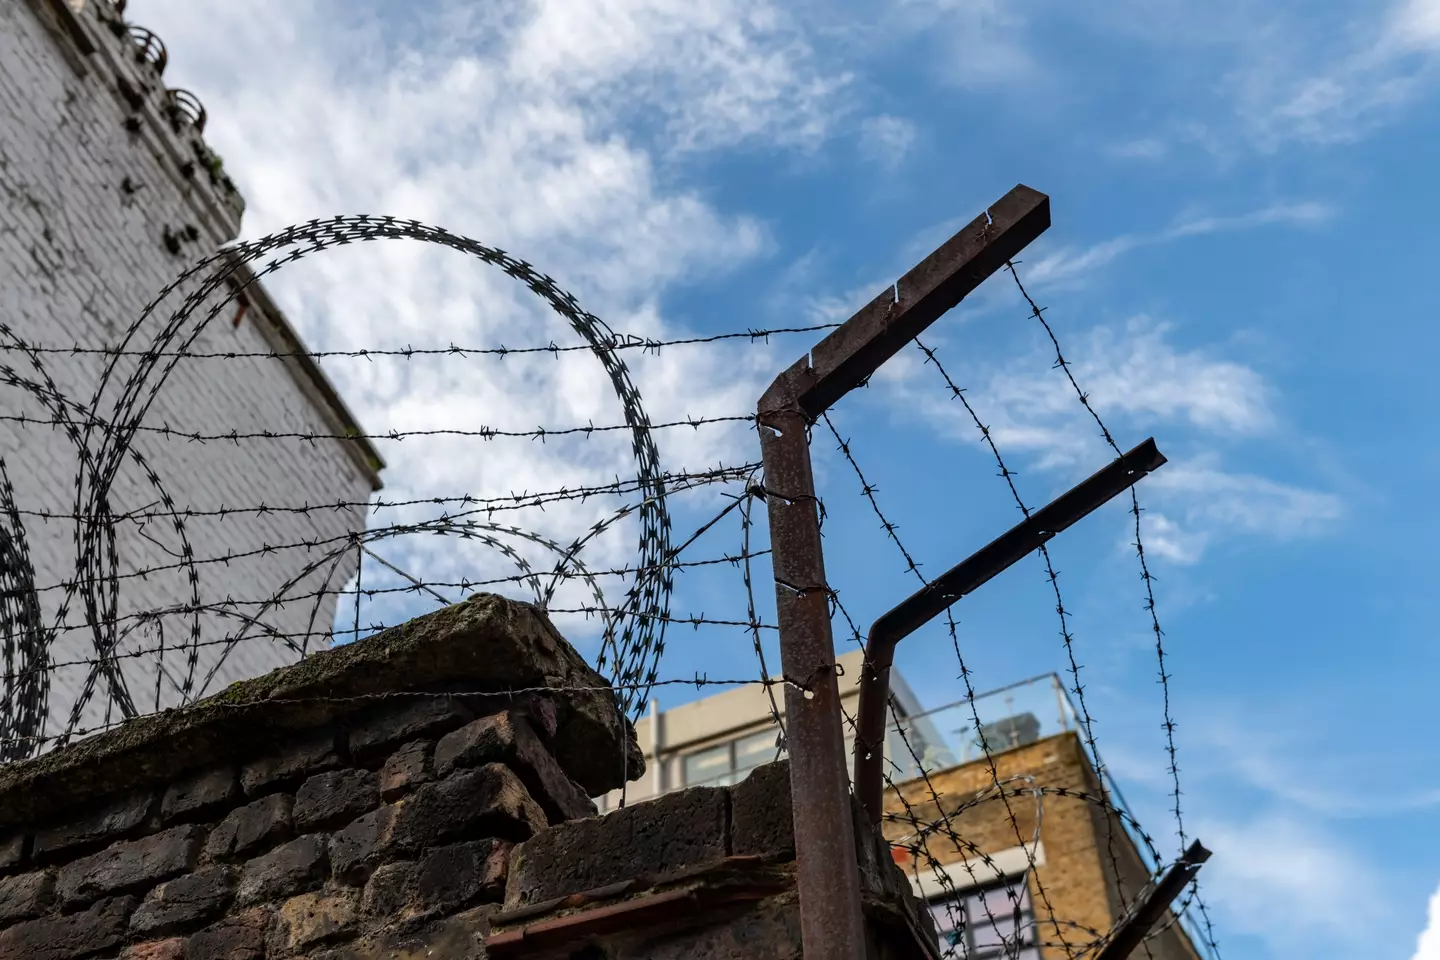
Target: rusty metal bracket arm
<point>1134,928</point>
<point>827,873</point>
<point>964,578</point>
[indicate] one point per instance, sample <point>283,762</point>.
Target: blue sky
<point>1238,266</point>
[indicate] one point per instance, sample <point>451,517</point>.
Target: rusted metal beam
<point>1134,928</point>
<point>965,577</point>
<point>828,875</point>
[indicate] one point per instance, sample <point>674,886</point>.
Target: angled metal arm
<point>964,578</point>
<point>828,876</point>
<point>1148,912</point>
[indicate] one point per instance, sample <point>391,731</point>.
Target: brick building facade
<point>1063,859</point>
<point>108,192</point>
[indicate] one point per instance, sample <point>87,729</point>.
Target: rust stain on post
<point>828,875</point>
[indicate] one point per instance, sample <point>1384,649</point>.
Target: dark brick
<point>26,896</point>
<point>508,737</point>
<point>130,866</point>
<point>108,823</point>
<point>313,920</point>
<point>237,937</point>
<point>254,827</point>
<point>200,794</point>
<point>461,937</point>
<point>389,725</point>
<point>455,876</point>
<point>387,892</point>
<point>660,836</point>
<point>291,764</point>
<point>541,713</point>
<point>171,949</point>
<point>405,770</point>
<point>488,802</point>
<point>360,847</point>
<point>333,799</point>
<point>761,822</point>
<point>12,851</point>
<point>64,938</point>
<point>487,740</point>
<point>296,867</point>
<point>185,902</point>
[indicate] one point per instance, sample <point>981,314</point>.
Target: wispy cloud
<point>1333,901</point>
<point>887,140</point>
<point>1138,380</point>
<point>557,135</point>
<point>1069,263</point>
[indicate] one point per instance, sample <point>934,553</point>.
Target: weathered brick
<point>296,867</point>
<point>362,846</point>
<point>660,836</point>
<point>455,876</point>
<point>12,851</point>
<point>508,737</point>
<point>761,822</point>
<point>169,949</point>
<point>290,765</point>
<point>333,799</point>
<point>200,794</point>
<point>461,937</point>
<point>185,902</point>
<point>65,938</point>
<point>110,822</point>
<point>387,892</point>
<point>405,770</point>
<point>487,740</point>
<point>392,724</point>
<point>26,895</point>
<point>313,920</point>
<point>130,866</point>
<point>237,937</point>
<point>488,802</point>
<point>255,826</point>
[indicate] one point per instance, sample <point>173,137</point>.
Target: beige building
<point>719,739</point>
<point>1010,868</point>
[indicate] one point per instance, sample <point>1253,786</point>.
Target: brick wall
<point>1082,889</point>
<point>420,793</point>
<point>345,806</point>
<point>93,177</point>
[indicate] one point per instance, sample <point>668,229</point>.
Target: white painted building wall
<point>84,206</point>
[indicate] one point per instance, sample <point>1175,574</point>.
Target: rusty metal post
<point>828,877</point>
<point>960,580</point>
<point>831,924</point>
<point>1133,929</point>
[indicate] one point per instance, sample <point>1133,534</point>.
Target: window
<point>995,922</point>
<point>729,762</point>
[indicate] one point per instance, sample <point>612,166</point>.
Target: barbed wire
<point>323,570</point>
<point>617,342</point>
<point>1168,725</point>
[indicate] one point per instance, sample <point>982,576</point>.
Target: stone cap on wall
<point>486,645</point>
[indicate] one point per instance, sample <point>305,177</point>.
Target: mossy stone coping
<point>487,644</point>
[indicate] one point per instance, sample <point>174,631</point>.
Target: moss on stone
<point>487,644</point>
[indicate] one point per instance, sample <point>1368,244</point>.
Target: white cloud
<point>1244,503</point>
<point>556,130</point>
<point>1138,381</point>
<point>1332,901</point>
<point>887,140</point>
<point>1070,264</point>
<point>1416,24</point>
<point>1427,947</point>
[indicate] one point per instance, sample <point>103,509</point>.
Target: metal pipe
<point>963,578</point>
<point>1133,929</point>
<point>828,877</point>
